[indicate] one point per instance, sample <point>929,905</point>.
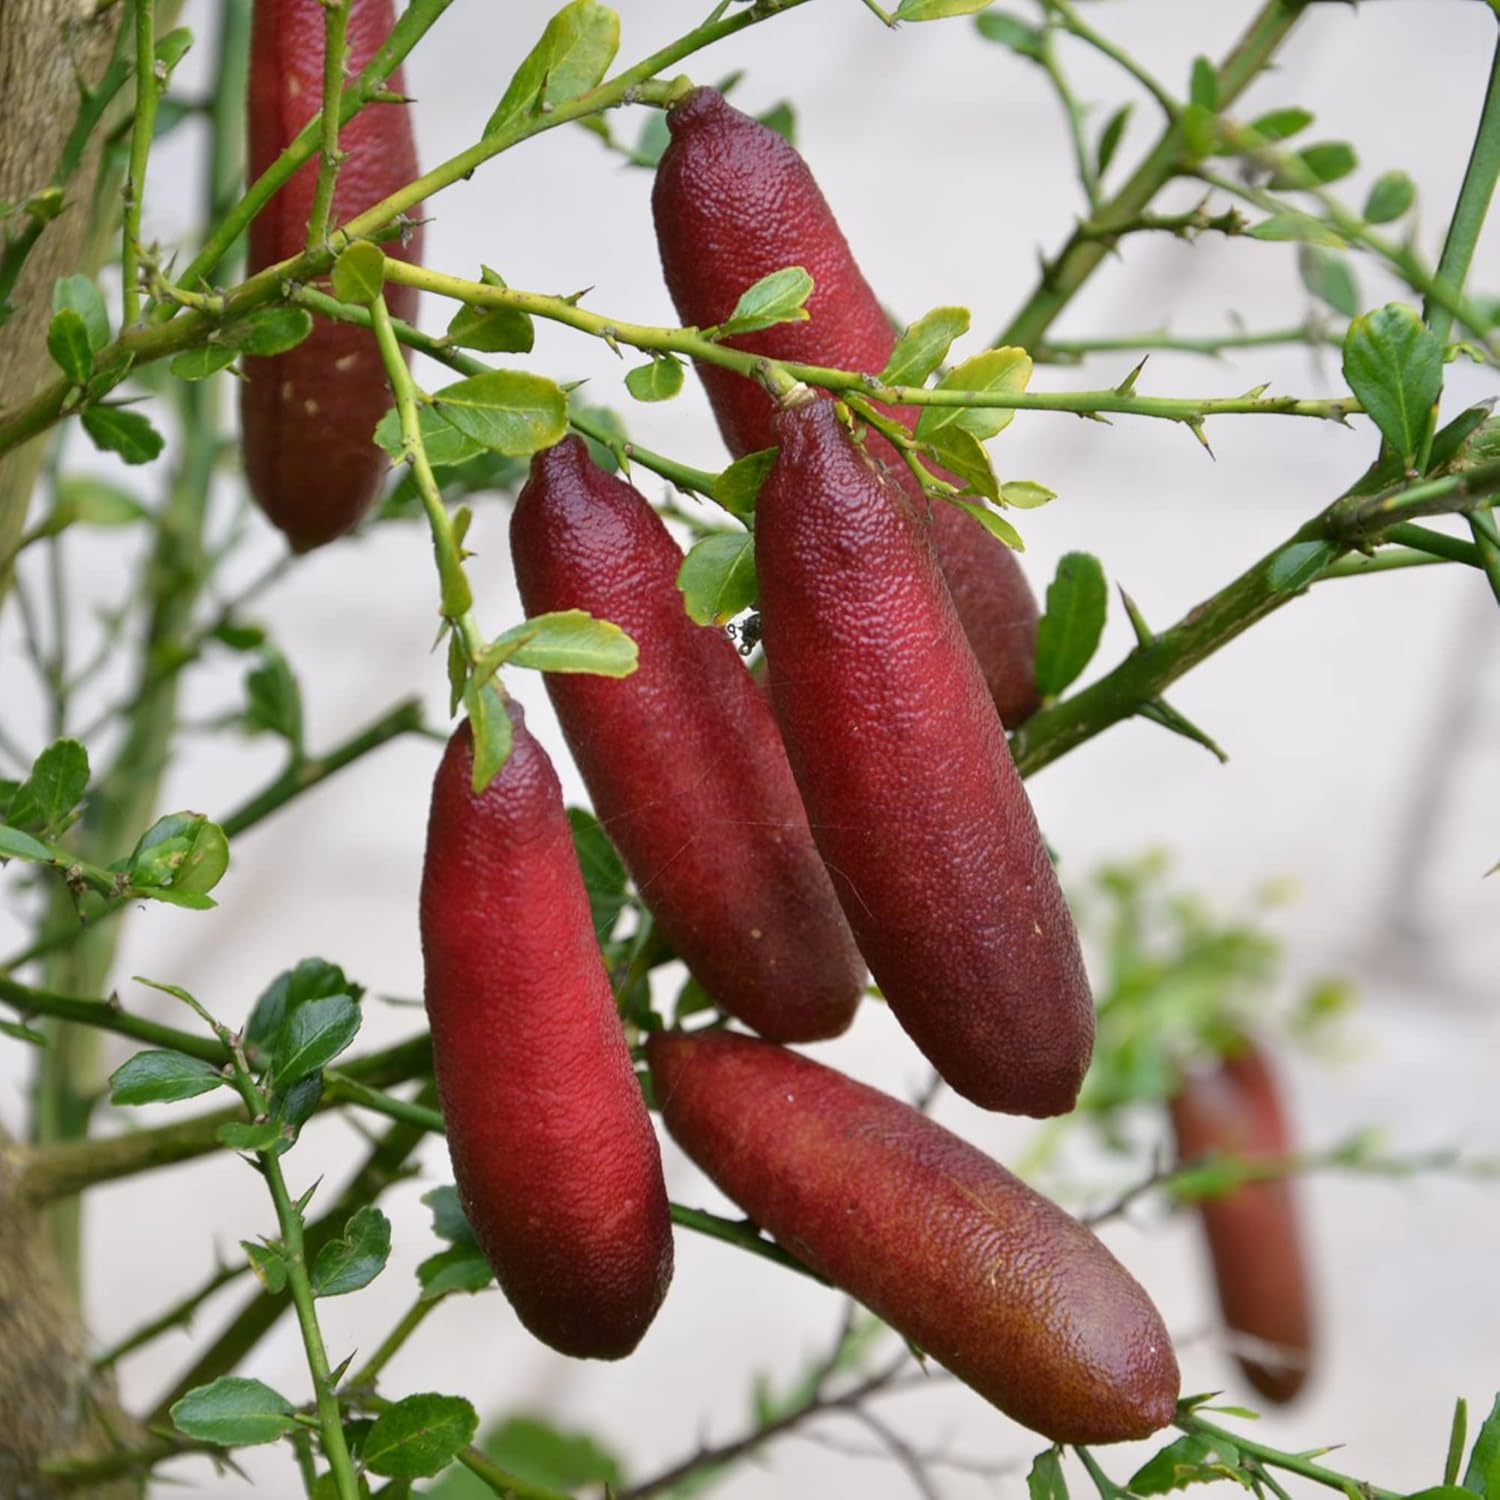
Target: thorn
<point>1127,386</point>
<point>1195,425</point>
<point>1256,392</point>
<point>1144,635</point>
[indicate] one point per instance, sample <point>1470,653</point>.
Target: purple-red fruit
<point>1252,1232</point>
<point>997,1284</point>
<point>557,1165</point>
<point>307,416</point>
<point>683,761</point>
<point>909,786</point>
<point>733,202</point>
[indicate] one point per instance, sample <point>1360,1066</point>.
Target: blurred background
<point>1362,724</point>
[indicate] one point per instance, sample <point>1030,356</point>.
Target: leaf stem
<point>335,59</point>
<point>1293,1463</point>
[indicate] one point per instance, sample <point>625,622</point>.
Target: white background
<point>946,161</point>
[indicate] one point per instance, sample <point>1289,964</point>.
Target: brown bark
<point>46,47</point>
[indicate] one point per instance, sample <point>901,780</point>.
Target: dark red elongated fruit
<point>307,416</point>
<point>733,202</point>
<point>908,783</point>
<point>555,1158</point>
<point>1252,1232</point>
<point>683,760</point>
<point>1016,1298</point>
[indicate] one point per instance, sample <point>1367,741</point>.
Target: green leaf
<point>57,781</point>
<point>113,429</point>
<point>1390,196</point>
<point>997,526</point>
<point>492,731</point>
<point>80,295</point>
<point>273,701</point>
<point>1045,1481</point>
<point>783,120</point>
<point>737,488</point>
<point>573,55</point>
<point>492,330</point>
<point>312,979</point>
<point>924,346</point>
<point>937,10</point>
<point>1280,124</point>
<point>170,50</point>
<point>359,273</point>
<point>293,1107</point>
<point>1297,565</point>
<point>1482,1475</point>
<point>511,411</point>
<point>534,1450</point>
<point>1316,166</point>
<point>22,1033</point>
<point>567,640</point>
<point>459,1268</point>
<point>267,1264</point>
<point>442,442</point>
<point>717,578</point>
<point>448,1221</point>
<point>1110,138</point>
<point>610,422</point>
<point>1026,494</point>
<point>1203,84</point>
<point>17,845</point>
<point>68,344</point>
<point>234,1412</point>
<point>1010,31</point>
<point>1007,370</point>
<point>199,364</point>
<point>658,380</point>
<point>1190,1460</point>
<point>356,1258</point>
<point>1394,364</point>
<point>419,1436</point>
<point>182,852</point>
<point>1295,226</point>
<point>651,144</point>
<point>1330,278</point>
<point>1068,633</point>
<point>85,501</point>
<point>1200,130</point>
<point>241,1135</point>
<point>603,876</point>
<point>777,298</point>
<point>161,1078</point>
<point>273,330</point>
<point>964,456</point>
<point>314,1034</point>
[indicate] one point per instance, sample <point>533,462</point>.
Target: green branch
<point>1081,256</point>
<point>1074,351</point>
<point>1292,1463</point>
<point>691,344</point>
<point>147,92</point>
<point>335,57</point>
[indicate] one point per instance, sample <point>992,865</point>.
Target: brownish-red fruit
<point>1252,1232</point>
<point>307,416</point>
<point>555,1158</point>
<point>997,1284</point>
<point>733,202</point>
<point>908,783</point>
<point>683,761</point>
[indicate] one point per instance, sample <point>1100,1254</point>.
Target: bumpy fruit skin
<point>683,761</point>
<point>307,416</point>
<point>734,202</point>
<point>908,783</point>
<point>555,1158</point>
<point>1252,1232</point>
<point>999,1285</point>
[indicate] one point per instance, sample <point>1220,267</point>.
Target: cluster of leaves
<point>179,859</point>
